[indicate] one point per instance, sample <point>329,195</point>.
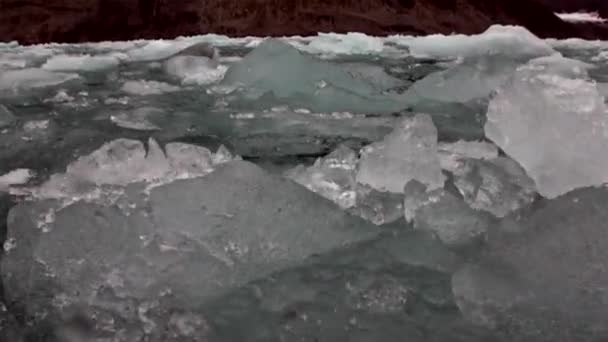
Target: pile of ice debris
<point>145,236</point>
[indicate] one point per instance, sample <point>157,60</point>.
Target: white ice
<point>143,87</point>
<point>15,177</point>
<point>452,155</point>
<point>577,17</point>
<point>81,63</point>
<point>513,41</point>
<point>409,152</point>
<point>551,118</point>
<point>23,79</point>
<point>195,70</point>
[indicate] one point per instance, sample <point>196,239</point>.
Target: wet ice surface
<point>328,188</point>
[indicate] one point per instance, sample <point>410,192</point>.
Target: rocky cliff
<point>36,21</point>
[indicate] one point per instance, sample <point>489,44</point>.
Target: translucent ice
<point>544,274</point>
<point>23,79</point>
<point>143,87</point>
<point>194,69</point>
<point>80,63</point>
<point>409,152</point>
<point>190,242</point>
<point>141,119</point>
<point>498,185</point>
<point>6,117</point>
<point>452,155</point>
<point>352,43</point>
<point>444,214</point>
<point>474,78</point>
<point>332,177</point>
<point>303,81</point>
<point>552,120</point>
<point>514,41</point>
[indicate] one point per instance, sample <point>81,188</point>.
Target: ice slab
<point>444,214</point>
<point>333,177</point>
<point>409,152</point>
<point>352,43</point>
<point>180,247</point>
<point>552,120</point>
<point>140,119</point>
<point>80,63</point>
<point>499,186</point>
<point>15,177</point>
<point>30,78</point>
<point>513,41</point>
<point>143,87</point>
<point>194,70</point>
<point>303,81</point>
<point>471,79</point>
<point>6,117</point>
<point>544,274</point>
<point>452,155</point>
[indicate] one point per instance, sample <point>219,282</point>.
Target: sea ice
<point>143,87</point>
<point>471,79</point>
<point>512,41</point>
<point>189,242</point>
<point>6,117</point>
<point>544,274</point>
<point>352,43</point>
<point>409,152</point>
<point>444,214</point>
<point>23,79</point>
<point>80,63</point>
<point>552,120</point>
<point>194,70</point>
<point>140,119</point>
<point>452,155</point>
<point>499,186</point>
<point>289,75</point>
<point>15,177</point>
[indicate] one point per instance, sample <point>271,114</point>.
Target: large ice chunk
<point>23,79</point>
<point>333,177</point>
<point>544,275</point>
<point>143,87</point>
<point>6,117</point>
<point>552,120</point>
<point>452,155</point>
<point>409,152</point>
<point>444,214</point>
<point>304,81</point>
<point>81,63</point>
<point>499,186</point>
<point>471,79</point>
<point>194,70</point>
<point>186,243</point>
<point>513,41</point>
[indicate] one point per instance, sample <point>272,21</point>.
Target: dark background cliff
<point>36,21</point>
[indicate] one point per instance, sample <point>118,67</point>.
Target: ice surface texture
<point>182,244</point>
<point>552,120</point>
<point>304,81</point>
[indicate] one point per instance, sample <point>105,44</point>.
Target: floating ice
<point>578,17</point>
<point>444,214</point>
<point>195,70</point>
<point>185,244</point>
<point>512,41</point>
<point>352,43</point>
<point>80,63</point>
<point>409,152</point>
<point>452,155</point>
<point>552,120</point>
<point>15,177</point>
<point>156,50</point>
<point>23,79</point>
<point>333,177</point>
<point>499,186</point>
<point>303,81</point>
<point>545,271</point>
<point>6,117</point>
<point>474,78</point>
<point>143,87</point>
<point>141,119</point>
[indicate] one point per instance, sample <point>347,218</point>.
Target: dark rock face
<point>36,21</point>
